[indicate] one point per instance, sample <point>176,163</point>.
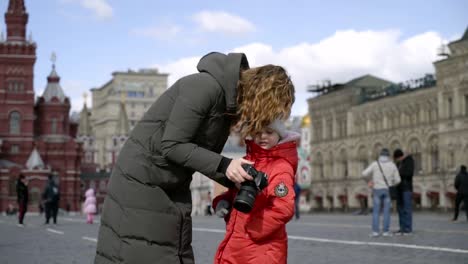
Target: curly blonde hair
<point>264,94</point>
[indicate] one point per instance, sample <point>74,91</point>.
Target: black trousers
<point>51,210</point>
<point>23,208</point>
<point>458,199</point>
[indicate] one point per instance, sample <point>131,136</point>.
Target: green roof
<point>465,36</point>
<point>369,81</point>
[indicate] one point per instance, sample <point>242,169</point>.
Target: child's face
<point>267,138</point>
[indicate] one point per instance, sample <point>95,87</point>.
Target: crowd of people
<point>49,202</point>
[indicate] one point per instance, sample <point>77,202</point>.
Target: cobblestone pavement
<point>319,238</point>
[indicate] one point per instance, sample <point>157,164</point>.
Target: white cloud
<point>340,58</point>
<point>101,8</point>
<point>223,22</point>
<point>162,32</point>
<point>75,89</point>
<point>179,68</point>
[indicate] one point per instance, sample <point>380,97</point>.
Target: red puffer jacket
<point>260,236</point>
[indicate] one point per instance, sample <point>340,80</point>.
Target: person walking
<point>147,211</point>
<point>51,197</point>
<point>22,195</point>
<point>404,201</point>
<point>380,175</point>
<point>297,199</point>
<point>89,205</point>
<point>461,185</point>
<point>208,204</point>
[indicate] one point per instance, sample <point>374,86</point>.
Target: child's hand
<point>222,212</point>
<point>222,208</point>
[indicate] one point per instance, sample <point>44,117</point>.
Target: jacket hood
<point>286,151</point>
<point>384,159</point>
<point>226,70</point>
<point>89,193</point>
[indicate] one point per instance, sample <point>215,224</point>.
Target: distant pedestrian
<point>404,201</point>
<point>41,207</point>
<point>380,175</point>
<point>297,199</point>
<point>461,185</point>
<point>51,197</point>
<point>22,197</point>
<point>89,206</point>
<point>208,204</point>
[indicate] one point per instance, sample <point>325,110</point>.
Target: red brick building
<point>37,138</point>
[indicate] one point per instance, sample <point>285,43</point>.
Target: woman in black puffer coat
<point>146,216</point>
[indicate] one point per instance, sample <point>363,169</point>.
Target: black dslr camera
<point>249,189</point>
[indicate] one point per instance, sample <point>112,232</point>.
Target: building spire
<point>53,76</point>
<point>123,127</point>
<point>53,88</point>
<point>85,98</point>
<point>16,19</point>
<point>84,128</point>
<point>16,6</point>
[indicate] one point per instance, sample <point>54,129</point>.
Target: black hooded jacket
<point>22,192</point>
<point>146,215</point>
<point>406,170</point>
<point>461,182</point>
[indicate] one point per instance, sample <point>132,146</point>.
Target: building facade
<point>116,108</point>
<point>37,138</point>
<point>426,118</point>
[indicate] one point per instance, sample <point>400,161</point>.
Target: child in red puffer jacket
<point>260,235</point>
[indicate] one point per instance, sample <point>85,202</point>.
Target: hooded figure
<point>461,185</point>
<point>89,206</point>
<point>51,197</point>
<point>147,212</point>
<point>22,197</point>
<point>259,236</point>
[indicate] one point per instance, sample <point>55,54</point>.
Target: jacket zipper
<point>180,235</point>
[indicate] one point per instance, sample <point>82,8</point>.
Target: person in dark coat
<point>147,211</point>
<point>51,197</point>
<point>22,197</point>
<point>297,199</point>
<point>405,164</point>
<point>461,185</point>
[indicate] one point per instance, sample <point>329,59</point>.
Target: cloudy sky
<point>314,40</point>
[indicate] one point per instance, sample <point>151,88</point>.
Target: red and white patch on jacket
<point>281,190</point>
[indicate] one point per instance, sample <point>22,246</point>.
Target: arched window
<point>54,125</point>
<point>15,123</point>
<point>395,145</point>
<point>451,159</point>
<point>415,150</point>
<point>376,152</point>
<point>362,157</point>
<point>344,163</point>
<point>331,166</point>
<point>434,153</point>
<point>319,162</point>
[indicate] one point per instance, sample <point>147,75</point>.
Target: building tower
<point>17,59</point>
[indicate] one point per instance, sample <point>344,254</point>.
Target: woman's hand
<point>236,173</point>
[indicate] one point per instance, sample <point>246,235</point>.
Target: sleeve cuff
<point>223,165</point>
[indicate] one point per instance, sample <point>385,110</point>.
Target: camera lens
<point>245,198</point>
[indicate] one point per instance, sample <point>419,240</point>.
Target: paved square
<point>315,238</point>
